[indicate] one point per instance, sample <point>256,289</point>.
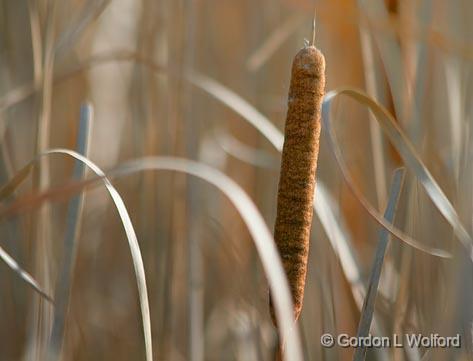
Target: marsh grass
<point>171,92</point>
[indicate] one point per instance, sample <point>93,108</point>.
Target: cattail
<point>298,167</point>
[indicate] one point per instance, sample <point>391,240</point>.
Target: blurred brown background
<point>208,292</point>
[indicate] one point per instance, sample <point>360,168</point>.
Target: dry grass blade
<point>375,87</point>
<point>68,38</point>
<point>42,220</point>
<point>66,41</point>
<point>390,53</point>
<point>36,43</point>
<point>455,100</point>
<point>23,92</point>
<point>164,83</point>
<point>209,85</point>
<point>421,75</point>
<point>132,242</point>
<point>74,218</point>
<point>19,177</point>
<point>25,276</point>
<point>264,52</point>
<point>334,226</point>
<point>240,106</point>
<point>257,227</point>
<point>323,204</point>
<point>339,239</point>
<point>333,223</point>
<point>239,150</point>
<point>129,230</point>
<point>234,102</point>
<point>260,233</point>
<point>16,96</point>
<point>411,159</point>
<point>370,299</point>
<point>230,99</point>
<point>5,191</point>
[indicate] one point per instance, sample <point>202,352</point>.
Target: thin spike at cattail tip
<point>313,27</point>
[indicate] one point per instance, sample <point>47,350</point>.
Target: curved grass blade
<point>209,85</point>
<point>77,25</point>
<point>227,97</point>
<point>132,242</point>
<point>16,96</point>
<point>239,106</point>
<point>411,159</point>
<point>374,83</point>
<point>264,52</point>
<point>73,222</point>
<point>19,177</point>
<point>390,52</point>
<point>25,276</point>
<point>260,233</point>
<point>258,229</point>
<point>127,225</point>
<point>339,239</point>
<point>231,100</point>
<point>239,150</point>
<point>23,92</point>
<point>370,299</point>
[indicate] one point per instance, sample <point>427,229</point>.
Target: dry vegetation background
<point>157,74</point>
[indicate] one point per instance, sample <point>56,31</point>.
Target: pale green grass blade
<point>367,312</point>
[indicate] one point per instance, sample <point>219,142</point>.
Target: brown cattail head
<point>298,167</point>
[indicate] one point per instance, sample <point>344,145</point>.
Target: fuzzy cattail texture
<point>298,168</point>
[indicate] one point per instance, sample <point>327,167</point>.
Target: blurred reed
<point>199,87</point>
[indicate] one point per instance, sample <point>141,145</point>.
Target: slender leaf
<point>370,299</point>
